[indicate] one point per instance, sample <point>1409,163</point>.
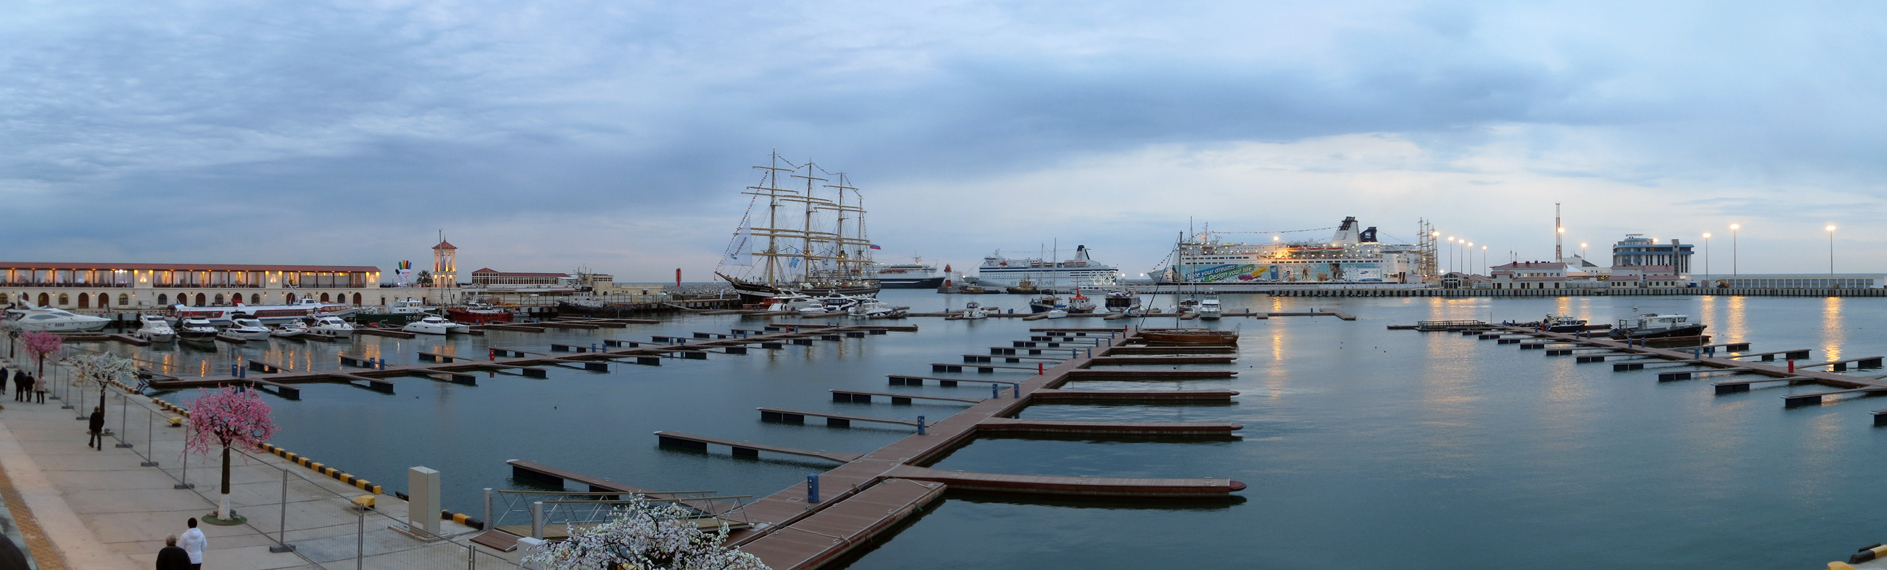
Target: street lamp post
<point>1484,259</point>
<point>1831,251</point>
<point>1733,228</point>
<point>1451,253</point>
<point>1706,259</point>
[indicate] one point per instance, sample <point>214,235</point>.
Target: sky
<point>617,136</point>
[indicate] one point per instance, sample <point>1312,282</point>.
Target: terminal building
<point>71,285</point>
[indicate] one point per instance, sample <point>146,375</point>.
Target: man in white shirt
<point>193,544</point>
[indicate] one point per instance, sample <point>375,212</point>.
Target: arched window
<point>291,298</point>
<point>200,300</point>
<point>324,297</point>
<point>85,301</point>
<point>124,300</point>
<point>64,300</point>
<point>357,298</point>
<point>219,298</point>
<point>44,300</point>
<point>163,299</point>
<point>255,299</point>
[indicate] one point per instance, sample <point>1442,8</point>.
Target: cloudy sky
<point>542,136</point>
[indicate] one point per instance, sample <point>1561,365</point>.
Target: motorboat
<point>429,325</point>
<point>1046,303</point>
<point>817,309</point>
<point>1057,313</point>
<point>1209,308</point>
<point>155,328</point>
<point>1562,323</point>
<point>247,329</point>
<point>291,329</point>
<point>331,328</point>
<point>479,314</point>
<point>1122,301</point>
<point>791,303</point>
<point>975,310</point>
<point>1652,325</point>
<point>398,313</point>
<point>196,330</point>
<point>460,328</point>
<point>874,309</point>
<point>1080,304</point>
<point>52,320</point>
<point>1189,337</point>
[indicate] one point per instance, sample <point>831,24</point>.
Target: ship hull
<point>754,293</point>
<point>914,283</point>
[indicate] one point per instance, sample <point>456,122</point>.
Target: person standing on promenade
<point>97,427</point>
<point>19,386</point>
<point>171,557</point>
<point>193,544</point>
<point>39,387</point>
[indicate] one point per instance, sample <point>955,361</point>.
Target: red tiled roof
<point>443,244</point>
<point>185,266</point>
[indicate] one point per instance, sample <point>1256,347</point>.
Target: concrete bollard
<point>920,425</point>
<point>812,489</point>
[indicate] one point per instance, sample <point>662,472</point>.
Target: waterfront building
<point>1545,275</point>
<point>492,279</point>
<point>1647,277</point>
<point>1637,251</point>
<point>135,286</point>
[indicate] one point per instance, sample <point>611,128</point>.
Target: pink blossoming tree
<point>39,344</point>
<point>228,418</point>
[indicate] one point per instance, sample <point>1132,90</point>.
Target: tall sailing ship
<point>814,237</point>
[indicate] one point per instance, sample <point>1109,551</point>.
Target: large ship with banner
<point>808,241</point>
<point>1050,274</point>
<point>1352,256</point>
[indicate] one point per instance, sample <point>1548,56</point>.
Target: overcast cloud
<point>617,135</point>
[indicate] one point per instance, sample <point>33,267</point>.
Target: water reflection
<point>1832,330</point>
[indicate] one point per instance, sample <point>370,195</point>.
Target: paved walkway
<point>81,508</point>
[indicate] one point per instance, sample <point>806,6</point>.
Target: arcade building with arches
<point>146,286</point>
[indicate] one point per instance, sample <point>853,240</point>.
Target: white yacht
<point>1057,313</point>
<point>874,309</point>
<point>247,329</point>
<point>435,325</point>
<point>52,320</point>
<point>331,327</point>
<point>1209,308</point>
<point>975,310</point>
<point>791,303</point>
<point>196,330</point>
<point>290,329</point>
<point>155,328</point>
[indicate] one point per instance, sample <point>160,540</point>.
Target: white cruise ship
<point>1077,272</point>
<point>914,275</point>
<point>1350,256</point>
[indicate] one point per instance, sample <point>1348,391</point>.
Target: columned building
<point>1637,251</point>
<point>134,286</point>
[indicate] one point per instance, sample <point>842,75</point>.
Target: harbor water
<point>1362,446</point>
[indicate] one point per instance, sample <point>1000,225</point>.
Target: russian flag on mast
<point>875,246</point>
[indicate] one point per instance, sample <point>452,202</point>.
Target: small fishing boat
<point>155,328</point>
<point>290,329</point>
<point>1121,301</point>
<point>1080,304</point>
<point>1190,337</point>
<point>247,329</point>
<point>331,328</point>
<point>1652,325</point>
<point>1046,303</point>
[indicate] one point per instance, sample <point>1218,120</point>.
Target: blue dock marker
<point>920,425</point>
<point>1018,389</point>
<point>812,489</point>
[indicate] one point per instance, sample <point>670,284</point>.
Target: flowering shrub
<point>647,536</point>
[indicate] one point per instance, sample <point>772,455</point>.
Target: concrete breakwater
<point>1578,292</point>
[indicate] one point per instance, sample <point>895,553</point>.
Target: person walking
<point>22,386</point>
<point>97,426</point>
<point>39,387</point>
<point>172,557</point>
<point>193,544</point>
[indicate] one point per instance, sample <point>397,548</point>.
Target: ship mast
<point>772,191</point>
<point>854,255</point>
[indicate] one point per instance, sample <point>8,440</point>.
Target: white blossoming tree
<point>646,536</point>
<point>98,370</point>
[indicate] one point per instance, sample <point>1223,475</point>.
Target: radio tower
<point>1559,233</point>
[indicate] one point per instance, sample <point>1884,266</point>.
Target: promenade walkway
<point>79,508</point>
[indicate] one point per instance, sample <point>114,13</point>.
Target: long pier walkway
<point>874,492</point>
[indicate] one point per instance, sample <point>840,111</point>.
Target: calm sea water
<point>1362,446</point>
